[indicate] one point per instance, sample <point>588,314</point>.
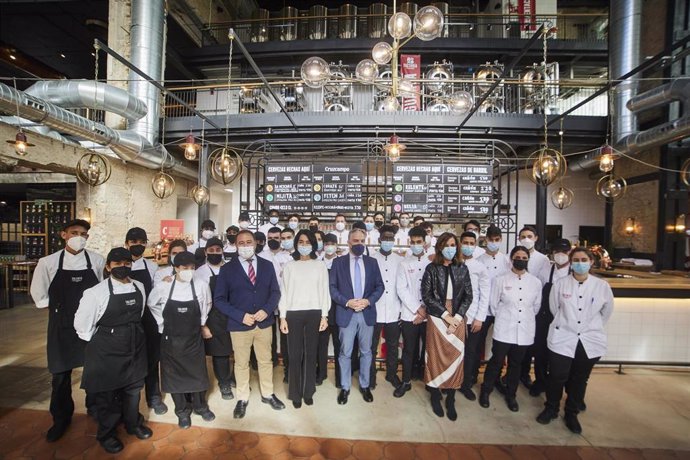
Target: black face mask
<point>121,273</point>
<point>214,259</point>
<point>395,228</point>
<point>520,264</point>
<point>273,244</point>
<point>137,249</point>
<point>314,228</point>
<point>259,248</point>
<point>232,238</point>
<point>378,223</point>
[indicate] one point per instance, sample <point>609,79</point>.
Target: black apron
<point>65,348</point>
<point>544,317</point>
<point>116,355</point>
<point>183,362</point>
<point>217,322</point>
<point>148,321</point>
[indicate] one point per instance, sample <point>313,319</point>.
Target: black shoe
<point>484,399</point>
<point>512,403</point>
<point>159,407</point>
<point>526,380</point>
<point>233,382</point>
<point>372,385</point>
<point>394,380</point>
<point>184,421</point>
<point>141,432</point>
<point>207,415</point>
<point>296,404</point>
<point>537,389</point>
<point>402,389</point>
<point>573,423</point>
<point>112,445</point>
<point>501,386</point>
<point>450,409</point>
<point>240,409</point>
<point>583,407</point>
<point>366,395</point>
<point>546,416</point>
<point>56,431</point>
<point>342,396</point>
<point>468,393</point>
<point>436,407</point>
<point>308,401</point>
<point>226,392</point>
<point>274,402</point>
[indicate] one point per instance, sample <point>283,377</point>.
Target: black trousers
<point>572,373</point>
<point>391,333</point>
<point>472,343</point>
<point>481,350</point>
<point>420,353</point>
<point>123,403</point>
<point>152,380</point>
<point>539,351</point>
<point>302,345</point>
<point>322,353</point>
<point>499,351</point>
<point>222,370</point>
<point>61,402</point>
<point>186,402</point>
<point>411,334</point>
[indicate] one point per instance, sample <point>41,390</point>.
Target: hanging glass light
<point>606,158</point>
<point>315,72</point>
<point>428,23</point>
<point>611,188</point>
<point>547,165</point>
<point>93,169</point>
<point>390,104</point>
<point>382,53</point>
<point>394,148</point>
<point>225,165</point>
<point>200,194</point>
<point>21,144</point>
<point>461,102</point>
<point>562,198</point>
<point>685,172</point>
<point>367,71</point>
<point>406,88</point>
<point>163,185</point>
<point>190,147</point>
<point>400,25</point>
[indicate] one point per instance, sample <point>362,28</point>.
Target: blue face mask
<point>449,252</point>
<point>319,245</point>
<point>369,226</point>
<point>493,246</point>
<point>357,249</point>
<point>581,267</point>
<point>387,246</point>
<point>293,225</point>
<point>467,251</point>
<point>273,220</point>
<point>304,250</point>
<point>417,249</point>
<point>288,245</point>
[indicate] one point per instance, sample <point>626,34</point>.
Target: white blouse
<point>516,300</point>
<point>183,292</point>
<point>305,286</point>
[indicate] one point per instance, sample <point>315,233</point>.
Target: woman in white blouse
<point>181,308</point>
<point>304,303</point>
<point>581,305</point>
<point>516,298</point>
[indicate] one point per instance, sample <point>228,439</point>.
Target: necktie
<point>358,279</point>
<point>251,273</point>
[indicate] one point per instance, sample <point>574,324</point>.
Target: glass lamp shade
<point>547,166</point>
<point>428,23</point>
<point>461,102</point>
<point>190,147</point>
<point>382,53</point>
<point>406,88</point>
<point>163,185</point>
<point>93,169</point>
<point>200,194</point>
<point>394,148</point>
<point>611,188</point>
<point>367,71</point>
<point>225,165</point>
<point>390,104</point>
<point>21,143</point>
<point>562,198</point>
<point>400,26</point>
<point>315,72</point>
<point>606,158</point>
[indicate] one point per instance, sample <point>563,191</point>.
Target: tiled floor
<point>643,409</point>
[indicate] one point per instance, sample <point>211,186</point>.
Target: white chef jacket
<point>581,311</point>
<point>558,273</point>
<point>409,285</point>
<point>47,268</point>
<point>94,303</point>
<point>205,272</point>
<point>162,272</point>
<point>141,263</point>
<point>497,265</point>
<point>183,292</point>
<point>478,251</point>
<point>537,263</point>
<point>342,236</point>
<point>267,226</point>
<point>328,262</point>
<point>516,301</point>
<point>481,289</point>
<point>372,237</point>
<point>403,239</point>
<point>229,248</point>
<point>200,243</point>
<point>388,306</point>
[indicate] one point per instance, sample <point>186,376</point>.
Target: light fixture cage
<point>200,194</point>
<point>611,188</point>
<point>548,165</point>
<point>162,185</point>
<point>394,148</point>
<point>21,143</point>
<point>685,172</point>
<point>191,148</point>
<point>562,197</point>
<point>606,158</point>
<point>93,169</point>
<point>225,165</point>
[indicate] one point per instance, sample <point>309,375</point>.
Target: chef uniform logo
<point>130,302</point>
<point>182,310</point>
<point>77,279</point>
<point>566,295</point>
<point>508,288</point>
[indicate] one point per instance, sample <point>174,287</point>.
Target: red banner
<point>527,13</point>
<point>410,65</point>
<point>171,229</point>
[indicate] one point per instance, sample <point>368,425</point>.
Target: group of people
<point>243,298</point>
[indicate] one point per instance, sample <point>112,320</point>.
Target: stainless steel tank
<point>260,25</point>
<point>445,9</point>
<point>347,21</point>
<point>441,74</point>
<point>285,24</point>
<point>409,8</point>
<point>318,23</point>
<point>377,22</point>
<point>486,76</point>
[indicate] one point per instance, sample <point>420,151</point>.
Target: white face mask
<point>527,242</point>
<point>186,275</point>
<point>244,225</point>
<point>560,258</point>
<point>77,243</point>
<point>404,222</point>
<point>207,234</point>
<point>246,252</point>
<point>340,226</point>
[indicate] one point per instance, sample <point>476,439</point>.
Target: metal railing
<point>304,25</point>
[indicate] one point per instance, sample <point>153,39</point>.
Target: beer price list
<point>443,189</point>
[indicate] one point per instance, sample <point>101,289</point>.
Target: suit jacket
<point>342,291</point>
<point>235,295</point>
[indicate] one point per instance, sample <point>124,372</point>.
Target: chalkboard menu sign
<point>442,189</point>
<point>317,188</point>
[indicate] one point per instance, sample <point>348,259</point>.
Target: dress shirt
<point>205,272</point>
<point>264,228</point>
<point>537,263</point>
<point>481,290</point>
<point>516,300</point>
<point>388,306</point>
<point>305,287</point>
<point>352,271</point>
<point>94,303</point>
<point>142,264</point>
<point>183,292</point>
<point>581,311</point>
<point>47,267</point>
<point>162,272</point>
<point>409,285</point>
<point>245,265</point>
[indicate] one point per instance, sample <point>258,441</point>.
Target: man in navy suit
<point>247,292</point>
<point>356,285</point>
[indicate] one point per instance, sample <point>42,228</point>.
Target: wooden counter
<point>632,283</point>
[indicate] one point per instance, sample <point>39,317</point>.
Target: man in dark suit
<point>356,285</point>
<point>247,292</point>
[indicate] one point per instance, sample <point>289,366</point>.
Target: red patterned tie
<point>251,273</point>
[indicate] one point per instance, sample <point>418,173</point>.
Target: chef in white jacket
<point>516,297</point>
<point>581,305</point>
<point>538,262</point>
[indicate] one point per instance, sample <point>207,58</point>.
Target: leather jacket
<point>434,289</point>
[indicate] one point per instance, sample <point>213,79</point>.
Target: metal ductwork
<point>677,90</point>
<point>666,133</point>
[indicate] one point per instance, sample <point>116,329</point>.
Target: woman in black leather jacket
<point>446,304</point>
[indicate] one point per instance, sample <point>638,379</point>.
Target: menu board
<point>443,189</point>
<point>313,187</point>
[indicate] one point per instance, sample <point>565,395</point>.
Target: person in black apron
<point>218,346</point>
<point>167,272</point>
<point>59,281</point>
<point>144,272</point>
<point>109,319</point>
<point>230,249</point>
<point>181,309</point>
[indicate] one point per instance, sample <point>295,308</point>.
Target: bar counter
<point>634,283</point>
